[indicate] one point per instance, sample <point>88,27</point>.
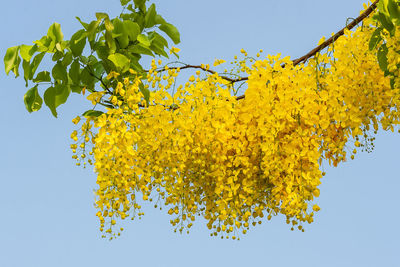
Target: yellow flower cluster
<point>198,151</point>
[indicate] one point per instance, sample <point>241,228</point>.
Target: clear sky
<point>47,216</point>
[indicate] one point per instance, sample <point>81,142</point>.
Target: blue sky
<point>47,216</point>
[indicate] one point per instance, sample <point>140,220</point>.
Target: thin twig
<point>188,66</point>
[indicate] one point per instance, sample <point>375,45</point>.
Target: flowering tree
<point>200,148</point>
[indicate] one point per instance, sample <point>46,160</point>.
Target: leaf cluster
<point>387,18</point>
<point>101,46</point>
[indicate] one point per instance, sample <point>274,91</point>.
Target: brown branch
<point>187,66</point>
<point>327,43</point>
<point>299,60</point>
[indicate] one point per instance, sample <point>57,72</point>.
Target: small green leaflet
<point>32,99</point>
<point>382,57</point>
<point>35,64</point>
<point>132,29</point>
<point>124,2</point>
<point>375,39</point>
<point>59,72</point>
<point>143,40</point>
<point>78,42</point>
<point>55,96</point>
<point>55,33</point>
<point>120,61</point>
<point>150,18</point>
<point>92,113</point>
<point>145,92</point>
<point>27,51</point>
<point>120,33</point>
<point>10,58</point>
<point>74,72</point>
<point>43,76</point>
<point>171,31</point>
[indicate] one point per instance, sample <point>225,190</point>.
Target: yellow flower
<point>218,62</point>
<point>174,50</point>
<point>95,97</point>
<point>316,208</point>
<point>112,74</point>
<point>76,120</point>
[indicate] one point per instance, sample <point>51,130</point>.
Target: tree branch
<point>299,60</point>
<point>188,66</point>
<point>327,43</point>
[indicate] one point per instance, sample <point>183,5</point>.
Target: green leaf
<point>76,89</point>
<point>150,18</point>
<point>84,24</point>
<point>160,20</point>
<point>59,48</point>
<point>55,96</point>
<point>91,60</point>
<point>382,6</point>
<point>103,52</point>
<point>135,65</point>
<point>59,72</point>
<point>393,9</point>
<point>141,4</point>
<point>386,22</point>
<point>84,60</point>
<point>92,113</point>
<point>35,64</point>
<point>27,71</point>
<point>171,31</point>
<point>87,78</point>
<point>55,33</point>
<point>92,29</point>
<point>143,40</point>
<point>121,32</point>
<point>159,40</point>
<point>78,42</point>
<point>16,67</point>
<point>10,59</point>
<point>158,49</point>
<point>44,44</point>
<point>145,92</point>
<point>109,41</point>
<point>43,76</point>
<point>108,65</point>
<point>101,15</point>
<point>62,93</point>
<point>376,38</point>
<point>139,49</point>
<point>108,24</point>
<point>27,51</point>
<point>67,59</point>
<point>32,99</point>
<point>98,69</point>
<point>124,2</point>
<point>132,29</point>
<point>57,56</point>
<point>120,61</point>
<point>74,72</point>
<point>50,99</point>
<point>382,57</point>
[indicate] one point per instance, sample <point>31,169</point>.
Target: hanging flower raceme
<point>197,151</point>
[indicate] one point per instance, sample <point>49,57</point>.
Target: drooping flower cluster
<point>198,151</point>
